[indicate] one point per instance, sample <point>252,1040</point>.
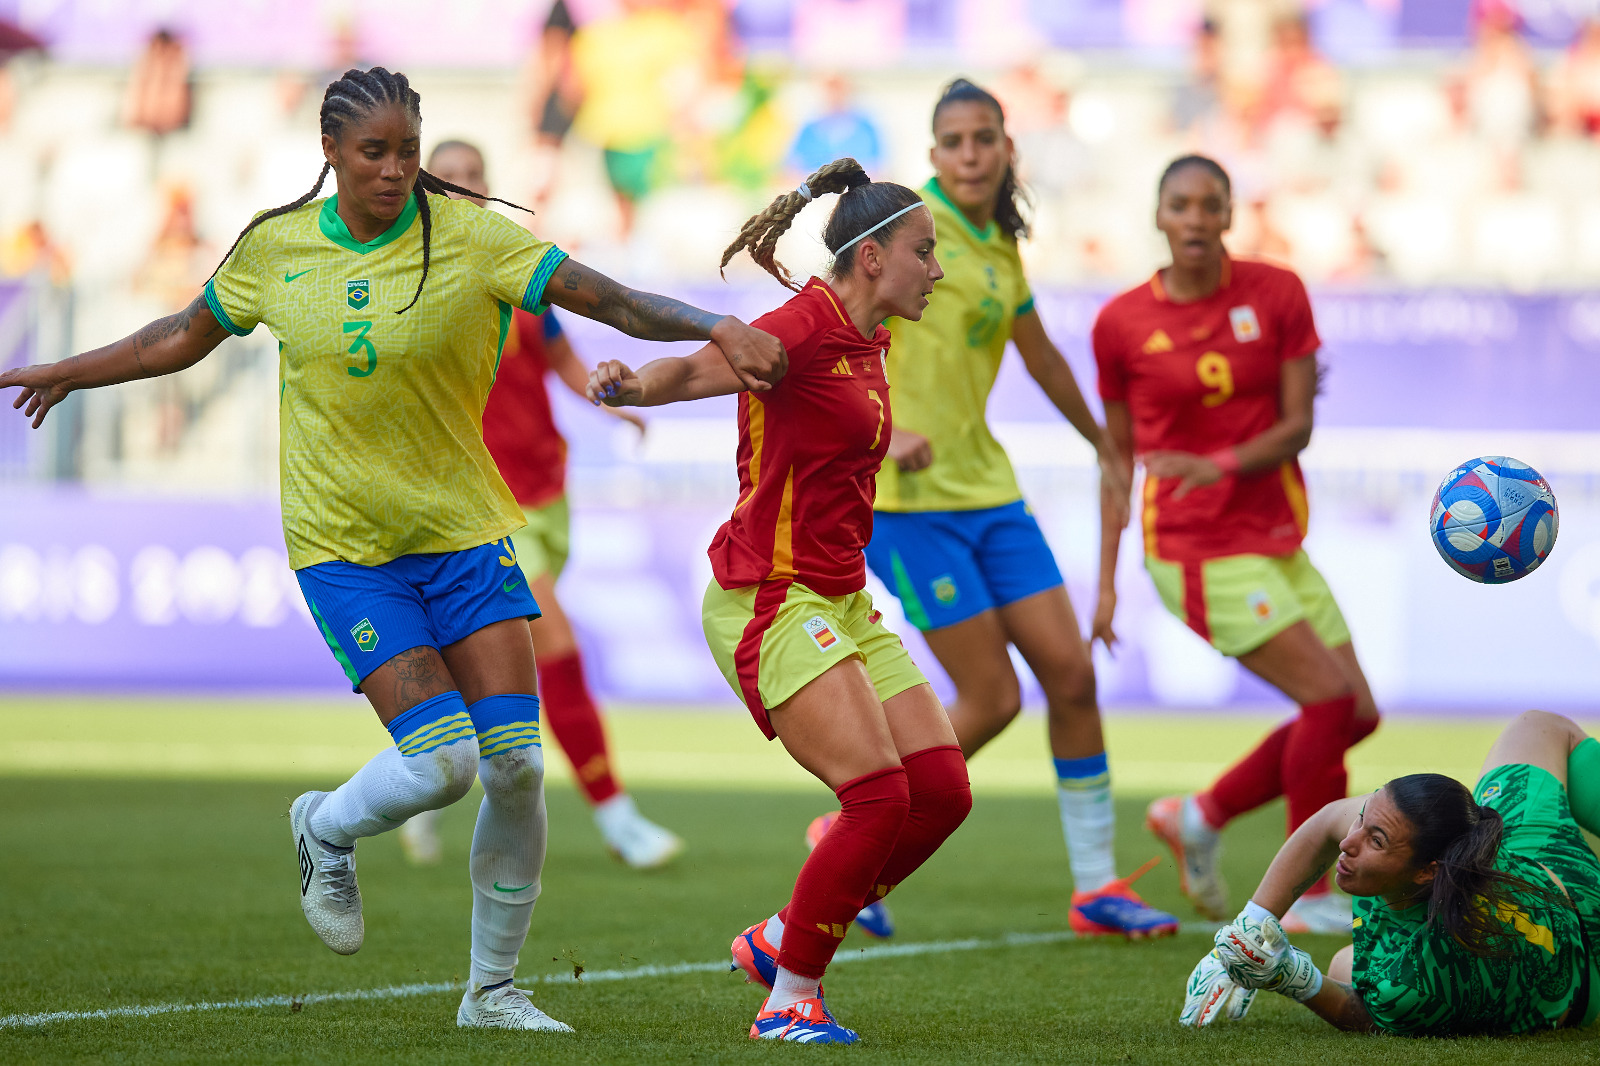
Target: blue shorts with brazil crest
<point>370,614</point>
<point>946,566</point>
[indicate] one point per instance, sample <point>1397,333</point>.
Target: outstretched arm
<point>756,357</point>
<point>165,346</point>
<point>1306,855</point>
<point>670,380</point>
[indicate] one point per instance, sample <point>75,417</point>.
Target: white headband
<point>805,192</point>
<point>877,226</point>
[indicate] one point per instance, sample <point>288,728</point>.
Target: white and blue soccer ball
<point>1494,519</point>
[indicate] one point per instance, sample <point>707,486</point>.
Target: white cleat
<point>505,1007</point>
<point>1198,849</point>
<point>1328,912</point>
<point>419,839</point>
<point>632,837</point>
<point>328,893</point>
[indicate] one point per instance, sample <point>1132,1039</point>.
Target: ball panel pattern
<point>1494,519</point>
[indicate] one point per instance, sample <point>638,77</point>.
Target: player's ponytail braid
<point>862,202</point>
<point>354,96</point>
<point>1461,840</point>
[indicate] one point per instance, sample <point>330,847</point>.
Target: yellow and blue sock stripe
<point>505,723</point>
<point>1091,771</point>
<point>431,724</point>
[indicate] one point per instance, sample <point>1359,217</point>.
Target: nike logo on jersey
<point>1158,342</point>
<point>510,584</point>
<point>290,277</point>
<point>498,887</point>
<point>843,367</point>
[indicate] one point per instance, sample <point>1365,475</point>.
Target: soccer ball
<point>1494,519</point>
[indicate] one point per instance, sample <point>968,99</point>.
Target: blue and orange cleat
<point>756,956</point>
<point>1117,910</point>
<point>806,1022</point>
<point>874,919</point>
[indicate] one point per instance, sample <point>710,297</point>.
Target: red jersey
<point>1202,376</point>
<point>518,427</point>
<point>809,452</point>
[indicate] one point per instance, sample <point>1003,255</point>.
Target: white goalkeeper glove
<point>1212,994</point>
<point>1256,954</point>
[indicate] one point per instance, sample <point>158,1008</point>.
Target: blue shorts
<point>370,614</point>
<point>946,566</point>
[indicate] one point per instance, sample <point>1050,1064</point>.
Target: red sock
<point>1248,783</point>
<point>842,869</point>
<point>941,797</point>
<point>1313,759</point>
<point>575,721</point>
<point>1360,729</point>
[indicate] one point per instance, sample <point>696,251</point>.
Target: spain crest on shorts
<point>357,293</point>
<point>1261,606</point>
<point>365,636</point>
<point>816,628</point>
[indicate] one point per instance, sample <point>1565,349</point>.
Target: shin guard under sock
<point>508,844</point>
<point>843,868</point>
<point>575,722</point>
<point>1313,772</point>
<point>941,798</point>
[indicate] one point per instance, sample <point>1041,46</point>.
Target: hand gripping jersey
<point>518,426</point>
<point>381,415</point>
<point>944,367</point>
<point>808,451</point>
<point>1202,376</point>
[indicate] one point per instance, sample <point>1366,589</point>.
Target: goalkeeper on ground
<point>1474,912</point>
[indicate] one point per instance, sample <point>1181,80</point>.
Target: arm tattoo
<point>639,314</point>
<point>417,677</point>
<point>1312,878</point>
<point>162,328</point>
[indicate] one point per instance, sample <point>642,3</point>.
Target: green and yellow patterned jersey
<point>381,448</point>
<point>1418,981</point>
<point>942,368</point>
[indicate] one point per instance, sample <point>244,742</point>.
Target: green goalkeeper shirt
<point>1416,980</point>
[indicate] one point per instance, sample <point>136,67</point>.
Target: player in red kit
<point>1208,372</point>
<point>528,449</point>
<point>787,616</point>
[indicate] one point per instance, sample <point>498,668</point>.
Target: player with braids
<point>397,523</point>
<point>1208,372</point>
<point>1476,912</point>
<point>953,537</point>
<point>787,616</point>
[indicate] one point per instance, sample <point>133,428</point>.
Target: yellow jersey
<point>381,448</point>
<point>942,369</point>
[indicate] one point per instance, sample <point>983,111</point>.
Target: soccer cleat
<point>874,918</point>
<point>632,837</point>
<point>328,893</point>
<point>756,956</point>
<point>419,839</point>
<point>1117,910</point>
<point>1327,912</point>
<point>806,1022</point>
<point>1199,853</point>
<point>505,1007</point>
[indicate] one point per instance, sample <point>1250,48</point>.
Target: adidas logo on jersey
<point>1158,342</point>
<point>843,367</point>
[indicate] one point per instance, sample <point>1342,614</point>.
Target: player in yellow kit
<point>390,303</point>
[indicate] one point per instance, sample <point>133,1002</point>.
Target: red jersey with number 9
<point>809,452</point>
<point>1202,376</point>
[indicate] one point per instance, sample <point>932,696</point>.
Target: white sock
<point>432,764</point>
<point>1193,825</point>
<point>615,815</point>
<point>508,844</point>
<point>790,988</point>
<point>774,932</point>
<point>1087,820</point>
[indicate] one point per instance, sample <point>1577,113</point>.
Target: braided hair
<point>862,202</point>
<point>1011,196</point>
<point>354,96</point>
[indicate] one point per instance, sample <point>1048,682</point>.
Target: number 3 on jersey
<point>361,346</point>
<point>1214,372</point>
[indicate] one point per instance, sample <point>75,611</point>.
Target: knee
<point>1073,689</point>
<point>942,795</point>
<point>997,700</point>
<point>513,775</point>
<point>455,768</point>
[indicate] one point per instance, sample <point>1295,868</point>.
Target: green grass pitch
<point>165,876</point>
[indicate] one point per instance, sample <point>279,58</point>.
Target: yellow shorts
<point>543,544</point>
<point>771,640</point>
<point>1239,602</point>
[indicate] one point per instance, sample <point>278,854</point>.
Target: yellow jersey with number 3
<point>381,449</point>
<point>942,368</point>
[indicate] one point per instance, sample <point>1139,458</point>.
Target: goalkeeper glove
<point>1212,994</point>
<point>1256,954</point>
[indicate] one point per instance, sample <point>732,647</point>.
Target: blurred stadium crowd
<point>645,131</point>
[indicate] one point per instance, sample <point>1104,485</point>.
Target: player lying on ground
<point>521,435</point>
<point>786,614</point>
<point>1474,913</point>
<point>389,301</point>
<point>1209,374</point>
<point>952,536</point>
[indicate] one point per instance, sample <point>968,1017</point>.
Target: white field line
<point>633,973</point>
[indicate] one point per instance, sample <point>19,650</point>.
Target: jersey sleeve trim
<point>221,315</point>
<point>1025,306</point>
<point>533,296</point>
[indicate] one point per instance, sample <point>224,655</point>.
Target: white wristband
<point>1257,913</point>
